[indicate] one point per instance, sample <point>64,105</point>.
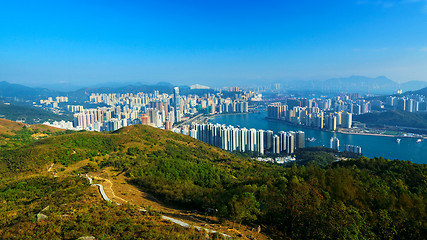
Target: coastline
<point>416,136</point>
<point>380,135</point>
<point>207,118</point>
<point>346,132</point>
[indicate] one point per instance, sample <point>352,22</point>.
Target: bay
<point>372,146</point>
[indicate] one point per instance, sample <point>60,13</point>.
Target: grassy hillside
<point>364,198</point>
<point>394,118</point>
<point>75,210</point>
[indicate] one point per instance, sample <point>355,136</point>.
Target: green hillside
<point>363,198</point>
<point>394,118</point>
<point>74,210</point>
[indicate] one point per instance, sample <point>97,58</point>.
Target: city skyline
<point>211,42</point>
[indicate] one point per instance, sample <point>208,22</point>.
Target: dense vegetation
<point>321,198</point>
<point>73,210</point>
<point>30,114</point>
<point>394,118</point>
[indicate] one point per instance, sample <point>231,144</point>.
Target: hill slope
<point>422,91</point>
<point>394,118</point>
<point>11,90</point>
<point>364,198</point>
<point>30,114</point>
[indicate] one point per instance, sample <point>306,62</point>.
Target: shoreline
<point>381,135</point>
<point>349,133</point>
<point>324,130</point>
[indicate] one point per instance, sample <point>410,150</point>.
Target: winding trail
<point>111,188</point>
<point>174,220</point>
<point>100,187</point>
<point>50,168</point>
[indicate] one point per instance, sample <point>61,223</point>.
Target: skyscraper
<point>276,144</point>
<point>283,140</point>
<point>177,104</point>
<point>268,139</point>
<point>334,143</point>
<point>347,120</point>
<point>300,138</point>
<point>332,122</point>
<point>260,141</point>
<point>290,142</point>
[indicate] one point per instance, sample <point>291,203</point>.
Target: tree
<point>244,207</point>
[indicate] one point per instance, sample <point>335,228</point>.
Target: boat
<point>419,140</point>
<point>310,139</point>
<point>398,140</point>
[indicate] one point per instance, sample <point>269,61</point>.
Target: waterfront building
<point>332,122</point>
<point>300,139</point>
<point>268,140</point>
<point>334,143</point>
<point>290,142</point>
<point>276,144</point>
<point>260,142</point>
<point>347,120</point>
<point>353,149</point>
<point>283,139</point>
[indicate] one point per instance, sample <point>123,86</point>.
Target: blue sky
<point>210,42</point>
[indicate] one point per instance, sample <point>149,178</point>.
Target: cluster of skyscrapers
<point>53,103</point>
<point>309,116</point>
<point>410,103</point>
<point>246,140</point>
<point>158,110</point>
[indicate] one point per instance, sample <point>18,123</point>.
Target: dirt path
<point>120,191</point>
<point>117,189</point>
<point>50,168</point>
<point>109,189</point>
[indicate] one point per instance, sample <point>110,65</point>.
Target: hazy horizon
<point>212,43</point>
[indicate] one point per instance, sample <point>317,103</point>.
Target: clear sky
<point>210,42</point>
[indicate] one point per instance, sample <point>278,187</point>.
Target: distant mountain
<point>361,84</point>
<point>413,85</point>
<point>61,87</point>
<point>11,90</point>
<point>353,84</point>
<point>422,91</point>
<point>164,84</point>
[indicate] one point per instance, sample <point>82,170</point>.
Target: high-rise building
<point>347,120</point>
<point>409,105</point>
<point>401,104</point>
<point>332,122</point>
<point>353,149</point>
<point>145,119</point>
<point>177,104</point>
<point>260,142</point>
<point>276,144</point>
<point>252,139</point>
<point>268,140</point>
<point>243,139</point>
<point>290,142</point>
<point>334,143</point>
<point>300,139</point>
<point>168,125</point>
<point>283,140</point>
<point>390,100</point>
